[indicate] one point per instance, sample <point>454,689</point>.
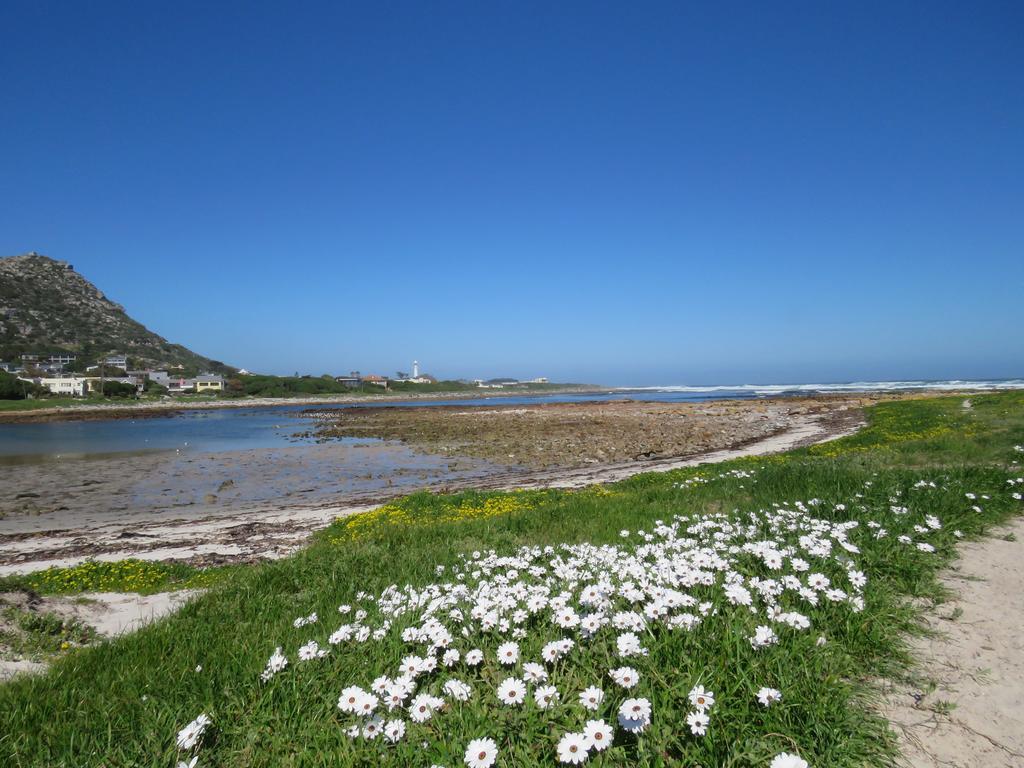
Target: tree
<point>234,387</point>
<point>118,389</point>
<point>153,387</point>
<point>11,388</point>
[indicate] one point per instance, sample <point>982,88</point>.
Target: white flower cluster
<point>499,631</point>
<point>568,600</point>
<point>739,474</point>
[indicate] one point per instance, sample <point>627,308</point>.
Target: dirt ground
<point>967,711</point>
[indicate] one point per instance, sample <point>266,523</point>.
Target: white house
<point>69,386</point>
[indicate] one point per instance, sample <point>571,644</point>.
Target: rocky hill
<point>47,308</point>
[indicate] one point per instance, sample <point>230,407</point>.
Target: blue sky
<point>626,193</point>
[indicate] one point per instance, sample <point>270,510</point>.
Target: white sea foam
<point>853,386</point>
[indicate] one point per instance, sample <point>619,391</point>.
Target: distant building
<point>208,382</point>
<point>353,379</point>
<point>62,359</point>
<point>118,361</point>
<point>378,381</point>
<point>160,377</point>
<point>7,367</point>
<point>243,372</point>
<point>68,386</point>
<point>138,378</point>
<point>179,385</point>
<point>416,378</point>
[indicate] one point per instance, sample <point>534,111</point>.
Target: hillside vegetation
<point>46,308</point>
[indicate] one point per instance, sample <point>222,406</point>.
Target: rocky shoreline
<point>572,435</point>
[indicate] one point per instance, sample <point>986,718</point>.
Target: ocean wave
<point>853,386</point>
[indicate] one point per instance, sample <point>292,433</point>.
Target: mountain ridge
<point>47,308</point>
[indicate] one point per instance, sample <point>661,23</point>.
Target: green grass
<point>35,405</point>
<point>142,576</point>
<point>121,703</point>
<point>17,406</point>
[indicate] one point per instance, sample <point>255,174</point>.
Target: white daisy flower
<point>635,715</point>
<point>763,637</point>
<point>373,727</point>
<point>598,734</point>
<point>350,697</point>
<point>628,644</point>
<point>458,690</point>
<point>625,677</point>
<point>481,753</point>
<point>546,696</point>
<point>512,691</point>
<point>394,730</point>
<point>275,664</point>
<point>698,722</point>
<point>572,748</point>
<point>192,733</point>
<point>423,707</point>
<point>591,698</point>
<point>786,760</point>
<point>701,698</point>
<point>508,653</point>
<point>367,704</point>
<point>768,696</point>
<point>534,672</point>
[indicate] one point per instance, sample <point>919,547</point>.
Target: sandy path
<point>274,532</point>
<point>109,613</point>
<point>974,717</point>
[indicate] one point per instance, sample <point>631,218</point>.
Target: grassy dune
<point>122,703</point>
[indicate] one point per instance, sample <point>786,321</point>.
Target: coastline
<point>272,531</point>
<point>86,411</point>
<point>90,412</point>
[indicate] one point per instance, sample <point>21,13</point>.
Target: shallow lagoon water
<point>237,429</point>
<point>206,431</point>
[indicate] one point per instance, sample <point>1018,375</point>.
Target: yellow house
<point>209,383</point>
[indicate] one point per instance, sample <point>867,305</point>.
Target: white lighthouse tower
<point>415,369</point>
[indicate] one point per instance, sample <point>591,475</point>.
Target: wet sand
<point>79,493</point>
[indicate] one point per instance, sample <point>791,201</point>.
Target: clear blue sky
<point>628,193</point>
